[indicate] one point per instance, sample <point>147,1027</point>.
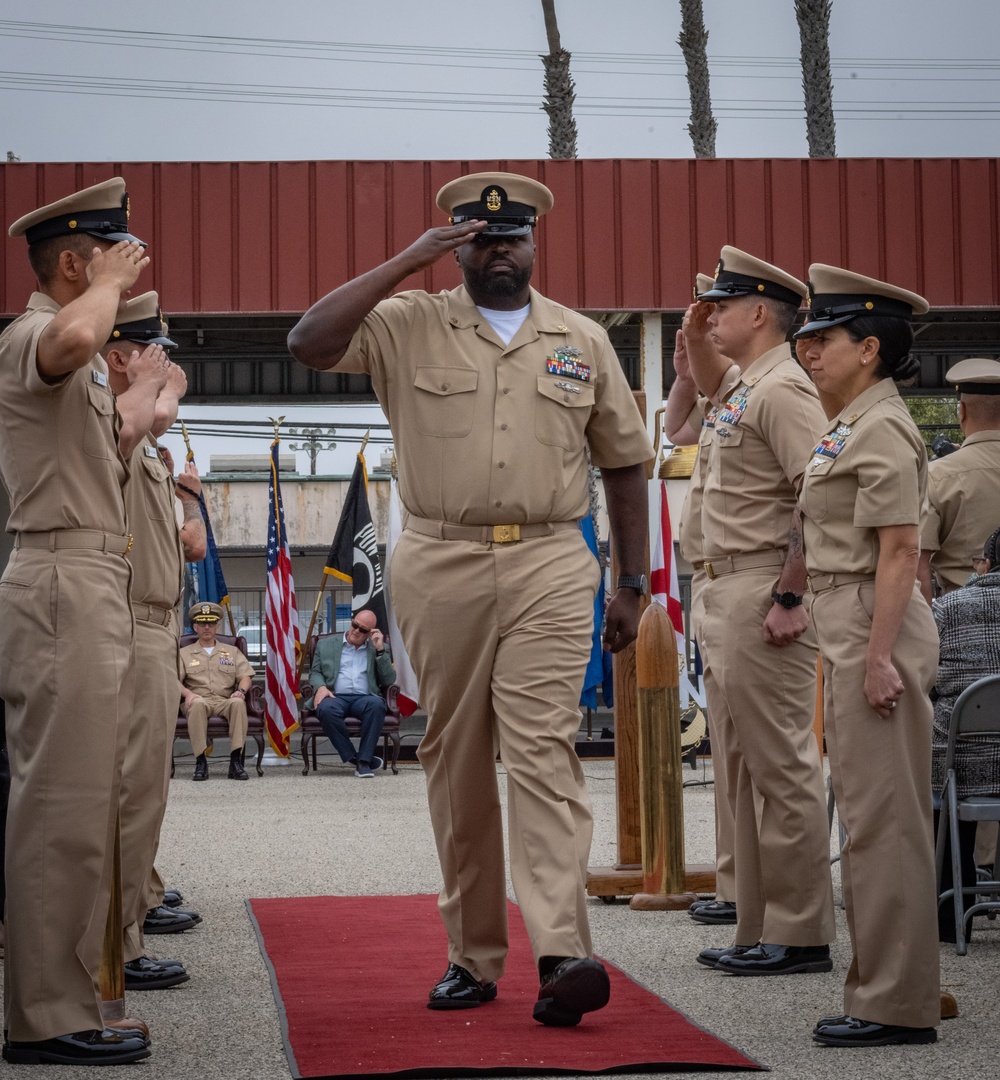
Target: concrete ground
<point>330,833</point>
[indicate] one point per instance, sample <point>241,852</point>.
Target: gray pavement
<point>330,833</point>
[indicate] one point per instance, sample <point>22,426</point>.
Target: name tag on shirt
<point>99,377</point>
<point>150,451</point>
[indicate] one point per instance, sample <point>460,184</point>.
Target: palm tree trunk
<point>693,41</point>
<point>560,93</point>
<point>817,85</point>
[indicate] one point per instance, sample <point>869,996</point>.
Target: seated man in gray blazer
<point>348,674</point>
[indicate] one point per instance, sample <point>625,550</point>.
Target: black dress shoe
<point>574,986</point>
<point>146,974</point>
<point>854,1032</point>
<point>825,1021</point>
<point>172,898</point>
<point>164,920</point>
<point>710,957</point>
<point>713,911</point>
<point>200,768</point>
<point>778,960</point>
<point>236,770</point>
<point>458,989</point>
<point>105,1047</point>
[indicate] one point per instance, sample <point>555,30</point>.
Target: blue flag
<point>594,676</point>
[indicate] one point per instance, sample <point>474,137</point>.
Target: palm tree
<point>560,93</point>
<point>817,86</point>
<point>693,41</point>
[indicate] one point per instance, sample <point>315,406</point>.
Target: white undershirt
<point>505,323</point>
<point>208,649</point>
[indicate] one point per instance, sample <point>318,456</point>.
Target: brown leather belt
<point>152,614</point>
<point>822,582</point>
<point>753,560</point>
<point>89,539</point>
<point>486,534</point>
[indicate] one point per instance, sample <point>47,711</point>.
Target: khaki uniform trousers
<point>882,782</point>
<point>233,709</point>
<point>499,636</point>
<point>763,716</point>
<point>67,676</point>
<point>146,777</point>
<point>725,871</point>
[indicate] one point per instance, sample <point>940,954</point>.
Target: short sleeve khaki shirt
<point>157,557</point>
<point>59,454</point>
<point>489,434</point>
<point>758,451</point>
<point>215,675</point>
<point>868,470</point>
<point>963,492</point>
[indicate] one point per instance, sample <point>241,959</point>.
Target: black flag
<point>353,558</point>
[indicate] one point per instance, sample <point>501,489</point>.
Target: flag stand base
<point>271,758</point>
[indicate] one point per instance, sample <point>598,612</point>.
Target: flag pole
<point>189,456</point>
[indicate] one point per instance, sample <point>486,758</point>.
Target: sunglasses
<point>360,629</point>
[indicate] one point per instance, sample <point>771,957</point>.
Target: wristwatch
<point>639,582</point>
<point>786,599</point>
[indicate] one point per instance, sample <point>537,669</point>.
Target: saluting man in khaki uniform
<point>66,632</point>
<point>215,681</point>
<point>758,643</point>
<point>689,417</point>
<point>493,393</point>
<point>157,556</point>
<point>862,501</point>
<point>963,488</point>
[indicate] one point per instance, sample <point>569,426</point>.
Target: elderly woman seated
<point>968,621</point>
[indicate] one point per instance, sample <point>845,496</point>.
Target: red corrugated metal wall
<point>260,237</point>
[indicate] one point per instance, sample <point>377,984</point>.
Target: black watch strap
<point>786,599</point>
<point>639,582</point>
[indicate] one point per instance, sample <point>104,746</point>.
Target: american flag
<point>663,585</point>
<point>282,623</point>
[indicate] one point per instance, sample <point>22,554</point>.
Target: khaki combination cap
<point>702,283</point>
<point>975,376</point>
<point>141,321</point>
<point>101,210</point>
<point>740,274</point>
<point>204,613</point>
<point>836,296</point>
<point>509,202</point>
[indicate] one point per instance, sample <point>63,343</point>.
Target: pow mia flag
<point>353,558</point>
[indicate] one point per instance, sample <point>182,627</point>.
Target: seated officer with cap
<point>963,489</point>
<point>494,393</point>
<point>66,635</point>
<point>215,682</point>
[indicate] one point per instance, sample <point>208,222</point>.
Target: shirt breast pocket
<point>815,486</point>
<point>444,401</point>
<point>99,429</point>
<point>561,414</point>
<point>156,474</point>
<point>730,444</point>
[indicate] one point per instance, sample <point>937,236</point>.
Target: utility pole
<point>312,441</point>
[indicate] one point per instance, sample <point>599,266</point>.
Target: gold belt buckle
<point>506,534</point>
<point>710,571</point>
<point>129,547</point>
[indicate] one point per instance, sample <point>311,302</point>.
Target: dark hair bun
<point>907,367</point>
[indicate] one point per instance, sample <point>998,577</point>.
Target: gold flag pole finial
<point>277,425</point>
<point>364,441</point>
<point>392,468</point>
<point>189,456</point>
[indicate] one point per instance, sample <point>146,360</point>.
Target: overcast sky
<point>104,80</point>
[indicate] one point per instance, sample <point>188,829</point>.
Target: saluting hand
<point>682,365</point>
<point>150,365</point>
<point>121,264</point>
<point>695,323</point>
<point>439,241</point>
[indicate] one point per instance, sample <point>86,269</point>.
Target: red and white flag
<point>663,585</point>
<point>281,711</point>
<point>406,681</point>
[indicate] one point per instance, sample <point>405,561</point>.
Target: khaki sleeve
<point>243,665</point>
<point>791,422</point>
<point>932,530</point>
<point>888,469</point>
<point>615,432</point>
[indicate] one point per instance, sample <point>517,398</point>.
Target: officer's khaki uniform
<point>689,542</point>
<point>157,566</point>
<point>963,492</point>
<point>872,473</point>
<point>763,711</point>
<point>66,638</point>
<point>214,678</point>
<point>499,633</point>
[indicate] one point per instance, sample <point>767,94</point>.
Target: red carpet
<point>351,975</point>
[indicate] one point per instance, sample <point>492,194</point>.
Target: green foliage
<point>935,416</point>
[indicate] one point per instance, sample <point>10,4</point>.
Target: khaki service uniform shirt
<point>59,455</point>
<point>868,470</point>
<point>215,675</point>
<point>157,556</point>
<point>757,454</point>
<point>490,434</point>
<point>963,490</point>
